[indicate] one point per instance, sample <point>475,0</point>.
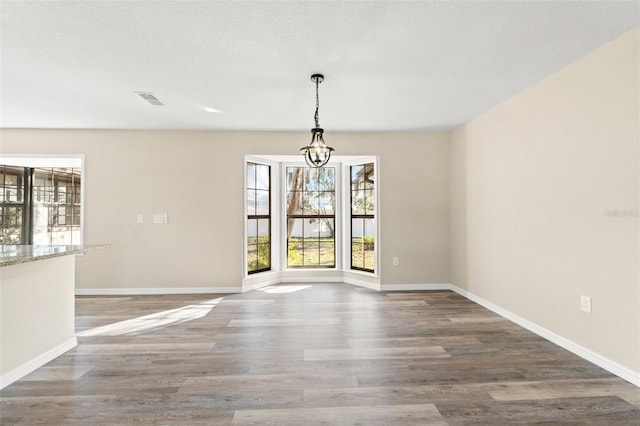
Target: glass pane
<point>264,256</point>
<point>11,184</point>
<point>357,249</point>
<point>295,178</point>
<point>294,203</point>
<point>262,202</point>
<point>62,219</point>
<point>310,204</point>
<point>10,227</point>
<point>252,257</point>
<point>357,202</point>
<point>311,252</point>
<point>357,254</point>
<point>369,176</point>
<point>312,179</point>
<point>252,231</point>
<point>327,252</point>
<point>262,176</point>
<point>326,202</point>
<point>295,228</point>
<point>251,175</point>
<point>251,202</point>
<point>263,230</point>
<point>357,177</point>
<point>363,243</point>
<point>327,178</point>
<point>369,201</point>
<point>368,242</point>
<point>312,228</point>
<point>326,227</point>
<point>62,194</point>
<point>294,253</point>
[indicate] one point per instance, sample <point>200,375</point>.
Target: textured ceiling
<point>389,65</point>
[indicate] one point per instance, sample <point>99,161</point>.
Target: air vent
<point>149,97</point>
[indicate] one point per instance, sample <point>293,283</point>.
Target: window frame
<point>49,161</point>
<point>364,216</point>
<point>337,220</point>
<point>248,217</point>
<point>279,270</point>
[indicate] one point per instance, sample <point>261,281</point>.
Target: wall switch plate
<point>396,261</point>
<point>585,304</point>
<point>160,218</point>
<point>140,218</point>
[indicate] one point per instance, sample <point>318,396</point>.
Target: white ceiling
<point>389,65</point>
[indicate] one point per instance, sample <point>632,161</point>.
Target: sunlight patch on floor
<point>153,321</point>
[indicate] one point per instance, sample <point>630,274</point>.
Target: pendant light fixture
<point>317,154</point>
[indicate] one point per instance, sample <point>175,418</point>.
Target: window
<point>56,206</point>
<point>311,220</point>
<point>303,218</point>
<point>258,217</point>
<point>40,205</point>
<point>11,205</point>
<point>363,228</point>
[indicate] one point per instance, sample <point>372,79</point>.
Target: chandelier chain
<point>317,104</point>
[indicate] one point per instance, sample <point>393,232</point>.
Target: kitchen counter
<point>16,254</point>
<point>37,306</point>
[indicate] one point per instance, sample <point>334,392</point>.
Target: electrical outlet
<point>396,261</point>
<point>585,304</point>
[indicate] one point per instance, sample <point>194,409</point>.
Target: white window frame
<point>342,217</point>
<point>54,161</point>
<point>283,219</point>
<point>275,213</point>
<point>346,197</point>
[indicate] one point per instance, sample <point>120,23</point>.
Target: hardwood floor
<point>312,354</point>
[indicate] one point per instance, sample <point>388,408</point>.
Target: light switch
<point>140,218</point>
<point>585,304</point>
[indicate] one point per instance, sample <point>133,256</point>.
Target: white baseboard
<point>597,359</point>
<point>360,283</point>
<point>312,280</point>
<point>415,287</point>
<point>37,362</point>
<point>154,291</point>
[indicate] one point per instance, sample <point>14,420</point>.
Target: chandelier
<point>317,153</point>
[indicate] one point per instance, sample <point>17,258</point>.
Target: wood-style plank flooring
<point>312,354</point>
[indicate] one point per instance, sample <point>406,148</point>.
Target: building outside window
<point>11,205</point>
<point>40,205</point>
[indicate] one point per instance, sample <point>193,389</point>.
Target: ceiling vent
<point>149,97</point>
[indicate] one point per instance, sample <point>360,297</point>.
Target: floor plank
<point>312,354</point>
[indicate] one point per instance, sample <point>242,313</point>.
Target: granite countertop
<point>16,254</point>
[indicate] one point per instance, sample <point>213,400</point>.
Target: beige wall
<point>197,178</point>
<point>543,171</point>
